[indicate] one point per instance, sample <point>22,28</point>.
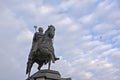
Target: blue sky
<point>87,37</point>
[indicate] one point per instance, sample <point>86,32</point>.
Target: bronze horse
<point>45,51</point>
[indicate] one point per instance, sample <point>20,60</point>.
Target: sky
<point>87,37</point>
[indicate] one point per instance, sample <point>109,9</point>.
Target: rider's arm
<point>34,37</point>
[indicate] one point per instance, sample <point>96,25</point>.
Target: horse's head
<point>50,32</point>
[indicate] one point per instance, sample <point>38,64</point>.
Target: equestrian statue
<point>42,51</point>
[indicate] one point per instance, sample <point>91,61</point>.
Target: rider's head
<point>40,29</point>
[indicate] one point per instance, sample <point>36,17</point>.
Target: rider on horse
<point>37,37</point>
<point>42,51</point>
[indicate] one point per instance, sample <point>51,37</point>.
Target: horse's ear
<point>51,26</point>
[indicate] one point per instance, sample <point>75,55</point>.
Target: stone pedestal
<point>40,79</point>
<point>47,75</point>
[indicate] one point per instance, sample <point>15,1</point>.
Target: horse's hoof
<point>57,59</point>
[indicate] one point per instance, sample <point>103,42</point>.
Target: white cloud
<point>11,50</point>
<point>74,27</point>
<point>113,52</point>
<point>106,31</point>
<point>68,24</point>
<point>45,10</point>
<point>88,18</point>
<point>66,21</point>
<point>84,75</point>
<point>8,20</point>
<point>117,39</point>
<point>114,15</point>
<point>103,27</point>
<point>64,67</point>
<point>105,5</point>
<point>102,9</point>
<point>68,3</point>
<point>108,65</point>
<point>78,4</point>
<point>24,36</point>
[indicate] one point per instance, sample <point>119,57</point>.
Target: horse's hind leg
<point>49,65</point>
<point>40,65</point>
<point>29,66</point>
